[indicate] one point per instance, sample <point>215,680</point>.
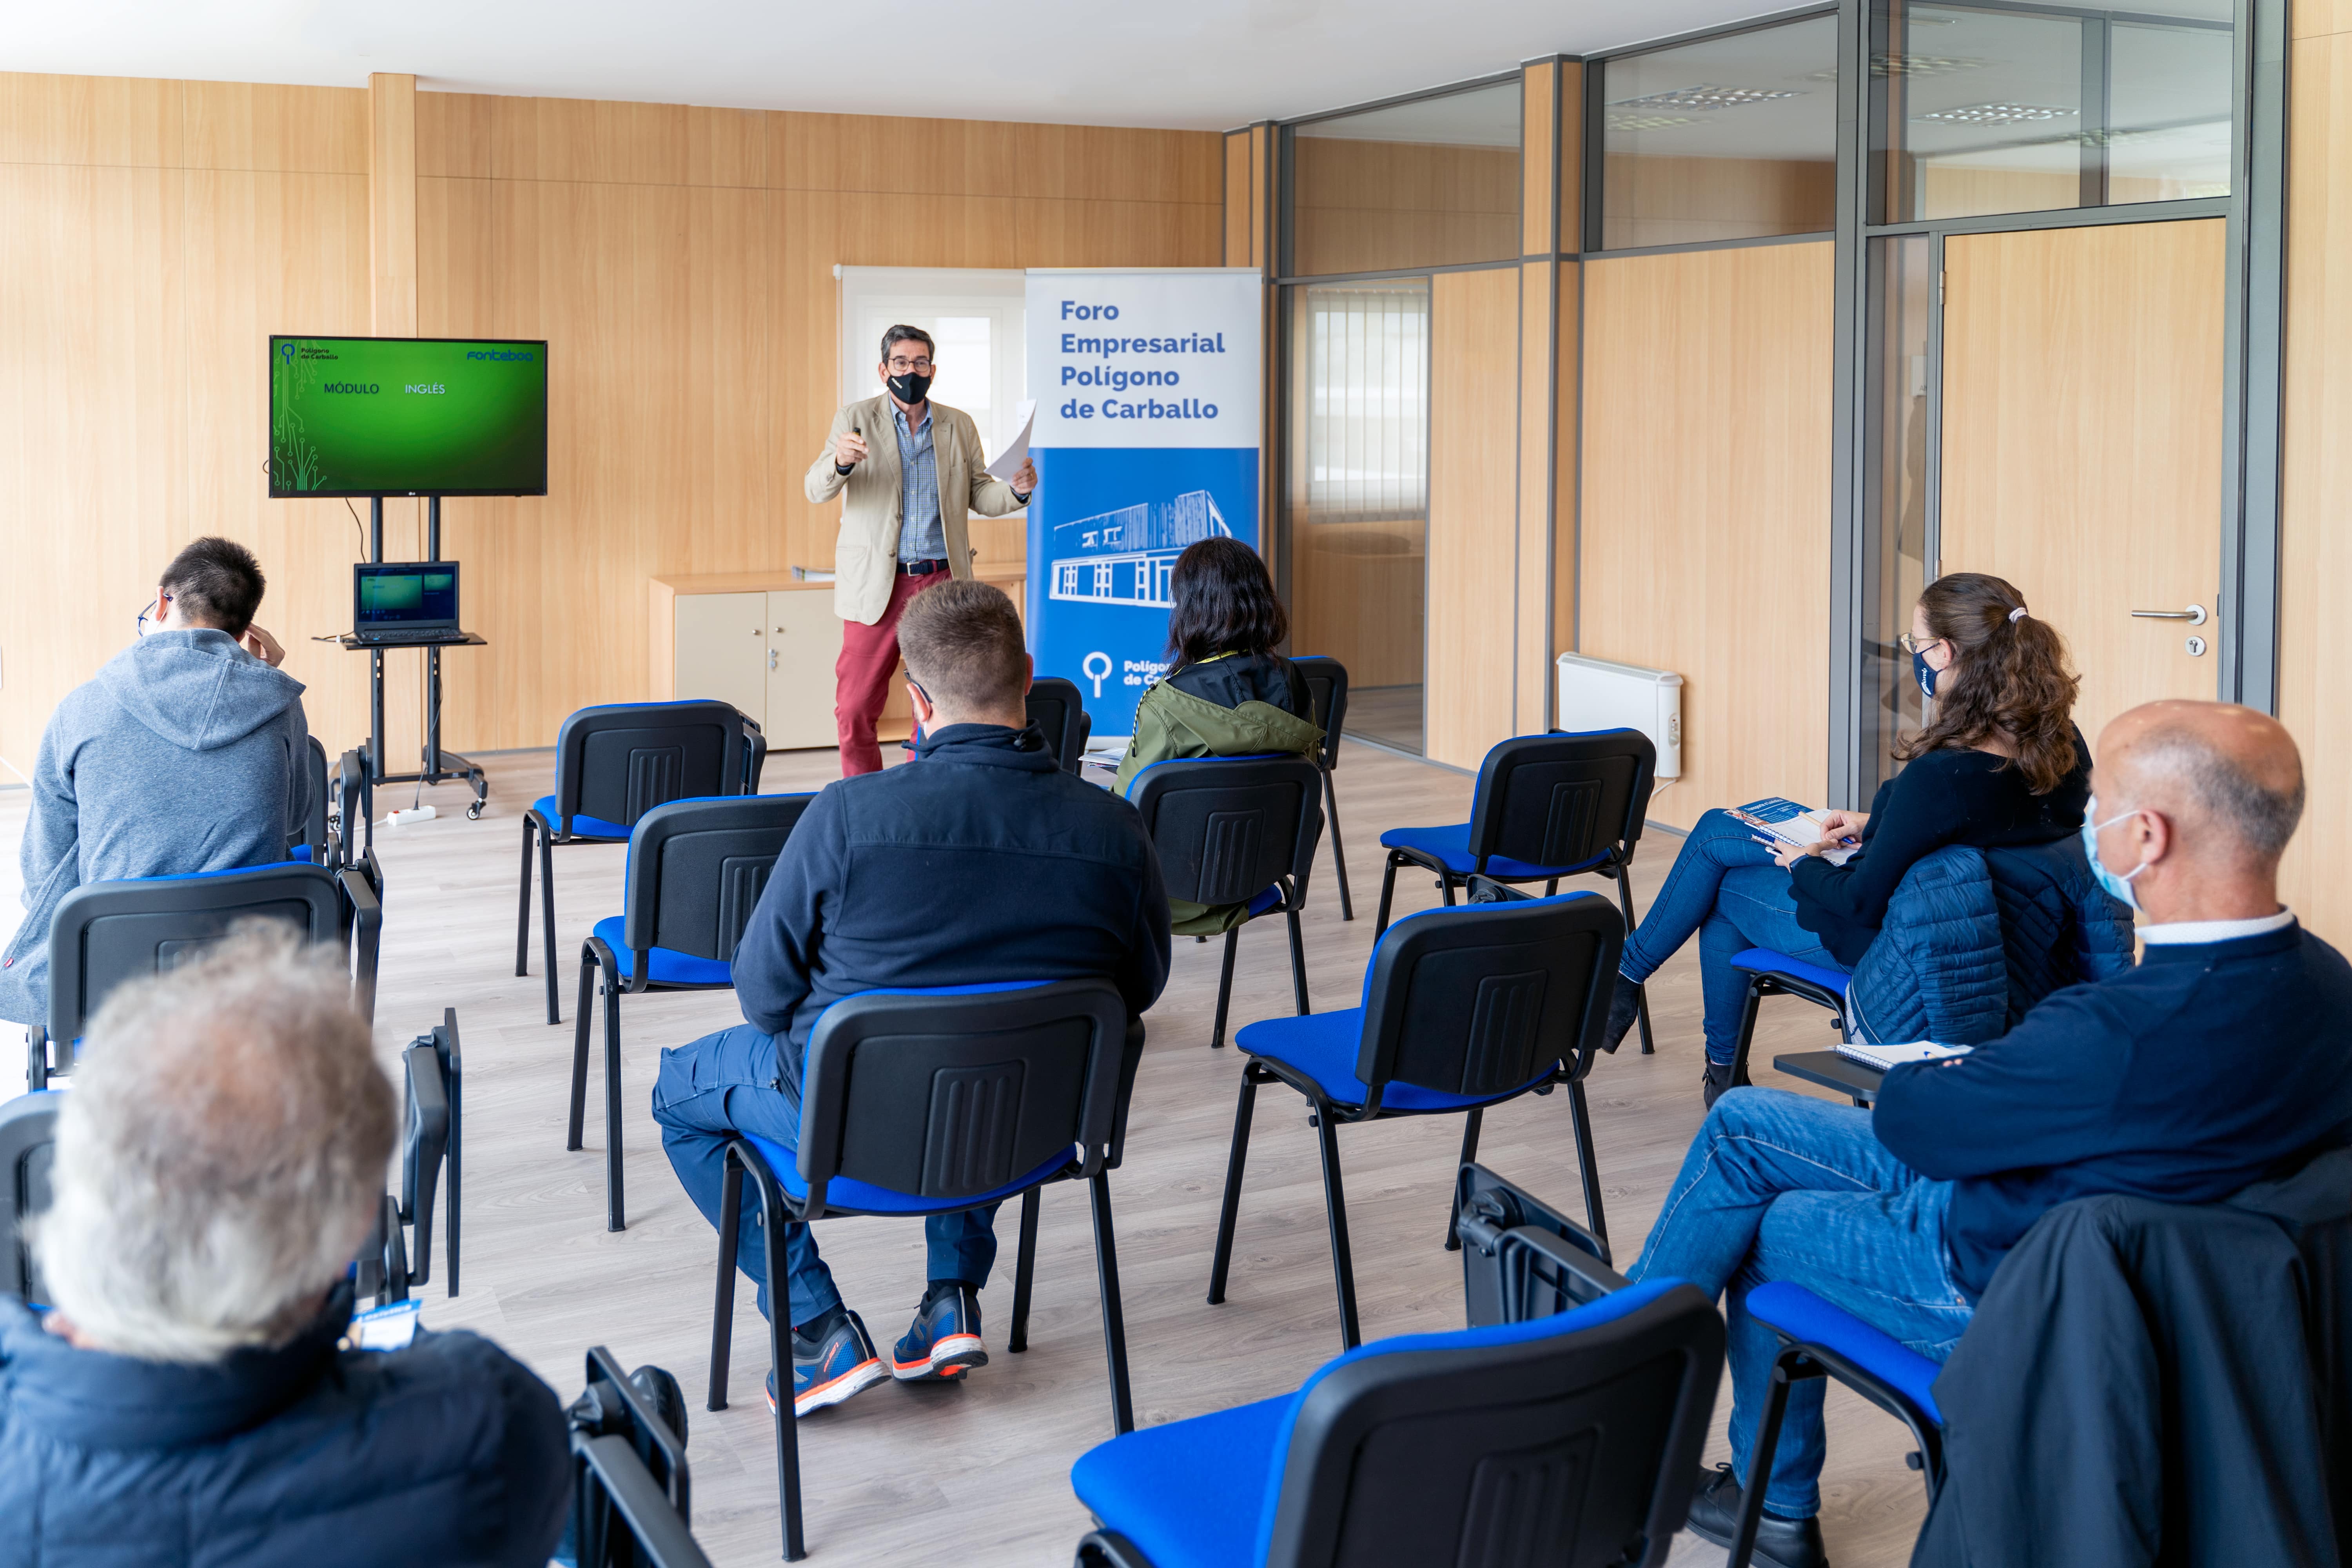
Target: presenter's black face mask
<point>910,388</point>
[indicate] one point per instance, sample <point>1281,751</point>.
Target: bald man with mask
<point>2225,1056</point>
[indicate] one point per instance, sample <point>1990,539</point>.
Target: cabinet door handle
<point>772,658</point>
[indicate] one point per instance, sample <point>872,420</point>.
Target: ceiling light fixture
<point>1648,121</point>
<point>1703,97</point>
<point>2000,113</point>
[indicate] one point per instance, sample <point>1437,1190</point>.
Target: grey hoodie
<point>186,753</point>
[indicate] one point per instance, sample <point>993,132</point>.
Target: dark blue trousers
<point>723,1084</point>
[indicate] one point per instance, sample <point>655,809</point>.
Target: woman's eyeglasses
<point>1912,643</point>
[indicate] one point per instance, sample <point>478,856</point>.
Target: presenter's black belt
<point>920,568</point>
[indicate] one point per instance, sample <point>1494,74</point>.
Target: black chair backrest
<point>1481,999</point>
<point>1522,1259</point>
<point>1057,709</point>
<point>952,1093</point>
<point>107,932</point>
<point>632,1495</point>
<point>1561,799</point>
<point>618,763</point>
<point>697,869</point>
<point>1577,1449</point>
<point>1326,683</point>
<point>29,1138</point>
<point>354,798</point>
<point>312,835</point>
<point>1228,827</point>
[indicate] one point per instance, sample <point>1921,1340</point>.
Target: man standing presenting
<point>913,469</point>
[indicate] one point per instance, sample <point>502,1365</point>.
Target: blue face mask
<point>2118,888</point>
<point>1926,672</point>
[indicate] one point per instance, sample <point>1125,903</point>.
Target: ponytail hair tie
<point>2016,614</point>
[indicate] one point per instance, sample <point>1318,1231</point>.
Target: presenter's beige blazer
<point>866,554</point>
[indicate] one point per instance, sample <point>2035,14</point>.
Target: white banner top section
<point>1153,357</point>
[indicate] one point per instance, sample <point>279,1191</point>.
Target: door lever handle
<point>2194,615</point>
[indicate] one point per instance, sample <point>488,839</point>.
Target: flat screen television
<point>367,417</point>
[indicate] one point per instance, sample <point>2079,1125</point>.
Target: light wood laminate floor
<point>978,1473</point>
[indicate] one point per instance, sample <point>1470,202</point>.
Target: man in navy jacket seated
<point>2224,1056</point>
<point>186,1398</point>
<point>980,861</point>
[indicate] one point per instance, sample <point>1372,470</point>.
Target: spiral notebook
<point>1884,1058</point>
<point>1785,820</point>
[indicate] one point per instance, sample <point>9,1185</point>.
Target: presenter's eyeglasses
<point>904,366</point>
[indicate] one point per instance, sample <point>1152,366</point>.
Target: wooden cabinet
<point>765,642</point>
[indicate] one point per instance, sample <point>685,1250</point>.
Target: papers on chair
<point>1791,823</point>
<point>1884,1057</point>
<point>1016,451</point>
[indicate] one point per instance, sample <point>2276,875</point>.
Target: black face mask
<point>910,389</point>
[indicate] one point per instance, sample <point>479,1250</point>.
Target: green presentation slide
<point>406,416</point>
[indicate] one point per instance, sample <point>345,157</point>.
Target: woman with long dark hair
<point>2001,763</point>
<point>1228,693</point>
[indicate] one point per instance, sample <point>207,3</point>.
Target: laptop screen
<point>403,595</point>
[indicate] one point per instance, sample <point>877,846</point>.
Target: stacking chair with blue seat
<point>29,1141</point>
<point>696,871</point>
<point>107,932</point>
<point>1462,1009</point>
<point>1234,831</point>
<point>1547,807</point>
<point>1059,711</point>
<point>1819,1340</point>
<point>1536,1436</point>
<point>1327,689</point>
<point>632,1492</point>
<point>934,1100</point>
<point>615,764</point>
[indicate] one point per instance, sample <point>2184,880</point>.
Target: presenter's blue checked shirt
<point>922,537</point>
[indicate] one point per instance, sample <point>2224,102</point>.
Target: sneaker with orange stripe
<point>839,1363</point>
<point>944,1342</point>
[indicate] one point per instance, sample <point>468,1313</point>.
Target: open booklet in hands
<point>1785,820</point>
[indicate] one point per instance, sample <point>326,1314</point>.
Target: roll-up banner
<point>1146,440</point>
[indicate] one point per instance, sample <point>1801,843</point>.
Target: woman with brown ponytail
<point>2002,763</point>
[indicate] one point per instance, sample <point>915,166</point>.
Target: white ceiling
<point>1196,64</point>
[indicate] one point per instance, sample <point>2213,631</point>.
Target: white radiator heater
<point>1595,694</point>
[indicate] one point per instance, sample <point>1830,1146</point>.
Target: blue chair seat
<point>1450,847</point>
<point>1201,1493</point>
<point>581,826</point>
<point>1764,961</point>
<point>663,967</point>
<point>1323,1046</point>
<point>1801,1315</point>
<point>846,1193</point>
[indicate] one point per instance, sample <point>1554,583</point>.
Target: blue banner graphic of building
<point>1125,557</point>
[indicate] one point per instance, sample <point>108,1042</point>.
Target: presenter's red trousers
<point>861,675</point>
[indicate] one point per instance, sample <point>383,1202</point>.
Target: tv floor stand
<point>437,765</point>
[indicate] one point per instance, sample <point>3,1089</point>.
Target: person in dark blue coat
<point>2002,764</point>
<point>185,1400</point>
<point>2225,1056</point>
<point>983,862</point>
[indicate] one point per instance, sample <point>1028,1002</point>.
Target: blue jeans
<point>723,1084</point>
<point>1725,889</point>
<point>1783,1187</point>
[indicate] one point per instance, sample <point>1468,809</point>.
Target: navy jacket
<point>980,861</point>
<point>449,1452</point>
<point>1953,797</point>
<point>2184,1079</point>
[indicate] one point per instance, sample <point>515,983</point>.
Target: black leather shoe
<point>1780,1542</point>
<point>1717,1079</point>
<point>1624,1008</point>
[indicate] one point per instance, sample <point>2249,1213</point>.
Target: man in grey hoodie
<point>188,752</point>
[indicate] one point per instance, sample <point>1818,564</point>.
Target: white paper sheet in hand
<point>1016,451</point>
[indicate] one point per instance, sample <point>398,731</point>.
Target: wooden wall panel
<point>1707,505</point>
<point>1685,201</point>
<point>679,261</point>
<point>1473,504</point>
<point>1372,206</point>
<point>2315,529</point>
<point>1238,187</point>
<point>1567,427</point>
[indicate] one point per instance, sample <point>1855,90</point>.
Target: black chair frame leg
<point>579,1022</point>
<point>1338,850</point>
<point>1224,988</point>
<point>615,1203</point>
<point>773,1220</point>
<point>522,914</point>
<point>1470,1125</point>
<point>1587,1166</point>
<point>1624,876</point>
<point>1791,1366</point>
<point>722,1308</point>
<point>1122,1397</point>
<point>547,916</point>
<point>1235,1162</point>
<point>1388,893</point>
<point>1747,1010</point>
<point>1024,1268</point>
<point>1298,961</point>
<point>1335,1203</point>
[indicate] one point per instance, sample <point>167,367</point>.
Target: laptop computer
<point>404,603</point>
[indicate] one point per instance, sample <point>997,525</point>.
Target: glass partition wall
<point>1379,198</point>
